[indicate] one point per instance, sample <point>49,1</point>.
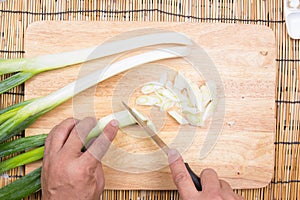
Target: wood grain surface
<point>243,56</point>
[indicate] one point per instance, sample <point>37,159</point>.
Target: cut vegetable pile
<point>183,100</point>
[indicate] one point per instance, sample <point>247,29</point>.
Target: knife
<point>162,145</point>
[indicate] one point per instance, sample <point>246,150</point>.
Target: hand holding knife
<point>162,145</point>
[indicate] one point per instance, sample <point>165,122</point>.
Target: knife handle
<point>195,178</point>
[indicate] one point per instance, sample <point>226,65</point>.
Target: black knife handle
<point>195,178</point>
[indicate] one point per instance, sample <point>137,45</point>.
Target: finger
<point>58,135</point>
<point>98,148</point>
<point>225,185</point>
<point>99,175</point>
<point>78,134</point>
<point>210,180</point>
<point>227,191</point>
<point>180,175</point>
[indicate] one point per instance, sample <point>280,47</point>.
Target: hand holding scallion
<point>68,173</point>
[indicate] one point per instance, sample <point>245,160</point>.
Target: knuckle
<point>180,177</point>
<point>60,129</point>
<point>71,119</point>
<point>91,120</point>
<point>85,171</point>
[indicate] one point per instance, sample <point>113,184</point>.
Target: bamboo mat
<point>16,15</point>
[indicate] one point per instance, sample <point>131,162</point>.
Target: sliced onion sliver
<point>146,100</point>
<point>209,110</point>
<point>194,119</point>
<point>151,87</point>
<point>189,109</point>
<point>178,117</point>
<point>167,94</point>
<point>206,97</point>
<point>166,105</point>
<point>198,96</point>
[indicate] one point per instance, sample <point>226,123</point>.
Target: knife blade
<point>162,144</point>
<point>148,130</point>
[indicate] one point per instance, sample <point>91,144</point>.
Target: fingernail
<point>114,123</point>
<point>173,155</point>
<point>172,152</point>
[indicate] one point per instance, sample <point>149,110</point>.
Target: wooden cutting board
<point>240,149</point>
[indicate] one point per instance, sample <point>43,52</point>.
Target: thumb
<point>180,175</point>
<point>99,147</point>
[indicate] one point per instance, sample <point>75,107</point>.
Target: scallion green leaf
<point>22,187</point>
<point>22,144</point>
<point>22,159</point>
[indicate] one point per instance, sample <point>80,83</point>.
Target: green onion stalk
<point>22,159</point>
<point>22,187</point>
<point>22,144</point>
<point>30,112</point>
<point>12,110</point>
<point>30,183</point>
<point>25,68</point>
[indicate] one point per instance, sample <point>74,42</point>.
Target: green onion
<point>32,111</point>
<point>148,100</point>
<point>12,110</point>
<point>22,144</point>
<point>16,118</point>
<point>28,67</point>
<point>22,159</point>
<point>124,118</point>
<point>22,187</point>
<point>178,117</point>
<point>15,80</point>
